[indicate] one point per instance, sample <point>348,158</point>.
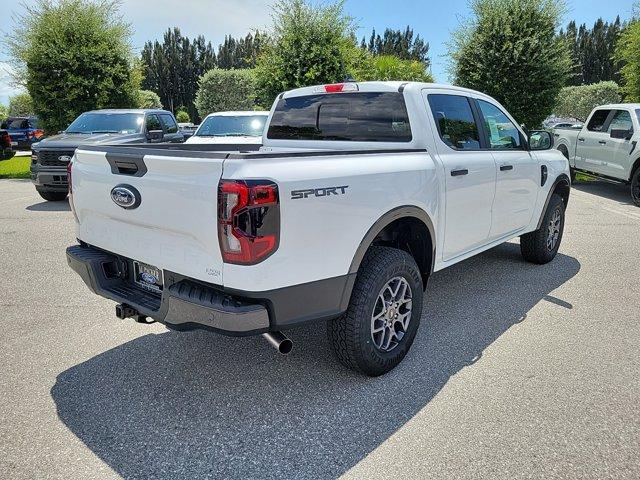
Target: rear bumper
<point>184,303</point>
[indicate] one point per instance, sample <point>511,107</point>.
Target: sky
<point>216,18</point>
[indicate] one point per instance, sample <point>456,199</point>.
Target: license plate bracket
<point>148,276</point>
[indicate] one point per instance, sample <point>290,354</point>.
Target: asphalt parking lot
<point>518,371</point>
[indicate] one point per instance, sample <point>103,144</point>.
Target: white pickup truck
<point>360,192</point>
<point>606,145</point>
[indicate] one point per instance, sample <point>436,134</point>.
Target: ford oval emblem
<point>126,196</point>
<point>147,277</point>
<point>64,158</point>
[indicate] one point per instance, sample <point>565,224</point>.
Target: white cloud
<point>212,18</point>
<point>149,20</point>
<point>6,83</point>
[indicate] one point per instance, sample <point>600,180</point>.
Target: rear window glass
<point>354,117</point>
<point>16,124</point>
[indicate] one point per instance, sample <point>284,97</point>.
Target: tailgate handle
<point>130,164</point>
<point>126,168</point>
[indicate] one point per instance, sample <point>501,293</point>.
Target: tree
<point>592,51</point>
<point>389,67</point>
<point>183,117</point>
<point>172,68</point>
<point>510,51</point>
<point>398,43</point>
<point>148,99</point>
<point>311,44</point>
<point>21,105</point>
<point>241,53</point>
<point>578,101</point>
<point>73,56</point>
<point>628,52</point>
<point>220,90</point>
<point>4,111</point>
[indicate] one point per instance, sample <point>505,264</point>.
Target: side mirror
<point>540,140</point>
<point>155,136</point>
<point>621,134</point>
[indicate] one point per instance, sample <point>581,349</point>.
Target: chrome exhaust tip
<point>279,341</point>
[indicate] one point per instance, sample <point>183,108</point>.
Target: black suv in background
<point>49,158</point>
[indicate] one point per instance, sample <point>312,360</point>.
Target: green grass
<point>581,177</point>
<point>17,167</point>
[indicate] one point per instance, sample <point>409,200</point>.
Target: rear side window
<point>598,120</point>
<point>153,123</point>
<point>169,123</point>
<point>454,118</point>
<point>353,117</point>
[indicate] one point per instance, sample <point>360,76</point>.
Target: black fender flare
<point>563,178</point>
<point>406,211</point>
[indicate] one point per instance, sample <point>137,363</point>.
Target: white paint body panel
<point>175,226</point>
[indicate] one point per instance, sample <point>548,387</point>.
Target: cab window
<point>153,123</point>
<point>169,123</point>
<point>502,133</point>
<point>454,119</point>
<point>621,121</point>
<point>598,120</point>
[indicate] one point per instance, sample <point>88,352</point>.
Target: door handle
<point>504,168</point>
<point>602,142</point>
<point>458,173</point>
<point>581,139</point>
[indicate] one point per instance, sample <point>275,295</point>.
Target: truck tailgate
<point>173,228</point>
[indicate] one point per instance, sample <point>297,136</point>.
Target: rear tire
<point>635,187</point>
<point>381,322</point>
<point>542,245</point>
<point>53,196</point>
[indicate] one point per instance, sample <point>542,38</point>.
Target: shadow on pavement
<point>50,207</point>
<point>618,192</point>
<point>190,405</point>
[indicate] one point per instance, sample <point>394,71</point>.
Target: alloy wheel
<point>391,314</point>
<point>554,229</point>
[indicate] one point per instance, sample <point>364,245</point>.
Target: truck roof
<point>388,86</point>
<point>619,105</point>
<point>129,110</point>
<point>239,113</point>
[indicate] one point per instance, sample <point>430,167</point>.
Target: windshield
<point>107,123</point>
<point>19,123</point>
<point>232,126</point>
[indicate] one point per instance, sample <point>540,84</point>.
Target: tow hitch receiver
<point>126,311</point>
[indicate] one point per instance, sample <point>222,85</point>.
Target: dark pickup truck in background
<point>50,157</point>
<point>23,130</point>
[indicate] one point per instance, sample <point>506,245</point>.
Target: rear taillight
<point>248,220</point>
<point>5,139</point>
<point>70,184</point>
<point>69,176</point>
